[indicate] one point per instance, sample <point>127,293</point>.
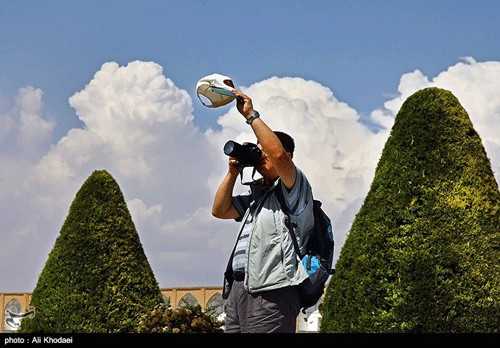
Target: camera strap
<point>253,180</point>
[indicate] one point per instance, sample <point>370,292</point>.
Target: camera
<point>247,154</point>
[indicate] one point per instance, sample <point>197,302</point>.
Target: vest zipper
<point>247,251</point>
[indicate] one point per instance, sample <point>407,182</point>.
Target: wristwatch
<point>253,117</point>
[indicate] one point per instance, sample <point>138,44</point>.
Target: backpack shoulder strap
<point>284,208</point>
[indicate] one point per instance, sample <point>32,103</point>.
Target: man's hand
<point>234,166</point>
<point>223,207</point>
<point>244,104</point>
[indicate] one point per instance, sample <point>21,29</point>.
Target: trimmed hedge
<point>97,278</point>
<point>423,253</point>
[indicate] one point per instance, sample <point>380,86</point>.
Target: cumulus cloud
<point>139,126</point>
<point>25,133</point>
<point>24,130</point>
<point>335,151</point>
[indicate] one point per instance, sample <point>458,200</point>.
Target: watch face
<point>253,117</point>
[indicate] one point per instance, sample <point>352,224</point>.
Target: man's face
<point>266,168</point>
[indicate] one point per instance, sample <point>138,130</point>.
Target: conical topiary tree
<point>97,277</point>
<point>423,253</point>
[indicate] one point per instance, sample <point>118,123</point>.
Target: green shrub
<point>423,252</point>
<point>184,319</point>
<point>97,277</point>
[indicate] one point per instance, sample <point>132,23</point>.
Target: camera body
<point>247,154</point>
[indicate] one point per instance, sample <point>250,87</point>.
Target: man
<point>264,270</point>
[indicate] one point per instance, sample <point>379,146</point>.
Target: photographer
<point>263,272</point>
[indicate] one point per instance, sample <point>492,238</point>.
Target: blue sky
<point>357,48</point>
<point>84,85</point>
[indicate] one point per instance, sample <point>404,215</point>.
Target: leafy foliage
<point>97,277</point>
<point>423,252</point>
<point>184,319</point>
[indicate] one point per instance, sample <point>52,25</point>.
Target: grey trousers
<point>273,311</point>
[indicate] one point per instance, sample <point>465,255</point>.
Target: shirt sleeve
<point>300,195</point>
<point>241,203</point>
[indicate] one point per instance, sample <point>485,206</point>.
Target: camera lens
<point>229,148</point>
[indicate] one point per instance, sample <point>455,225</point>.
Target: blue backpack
<point>318,256</point>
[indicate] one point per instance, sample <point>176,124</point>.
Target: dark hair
<point>287,142</point>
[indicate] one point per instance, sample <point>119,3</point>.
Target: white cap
<point>215,90</point>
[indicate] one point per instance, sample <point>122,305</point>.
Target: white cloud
<point>333,148</point>
<point>140,211</point>
<point>133,110</point>
<point>24,130</point>
<point>33,130</point>
<point>139,126</point>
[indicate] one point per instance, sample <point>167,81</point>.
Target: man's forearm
<point>268,139</point>
<point>223,201</point>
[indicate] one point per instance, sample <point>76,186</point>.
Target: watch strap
<point>253,117</point>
